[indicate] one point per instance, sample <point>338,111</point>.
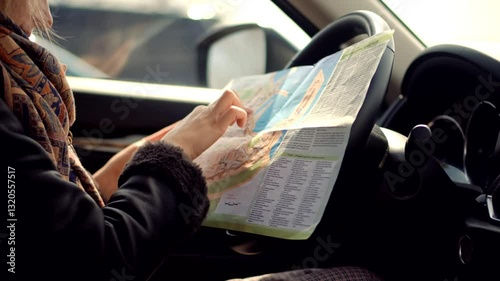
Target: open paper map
<point>275,176</point>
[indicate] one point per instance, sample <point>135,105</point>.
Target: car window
<point>151,40</point>
<point>463,22</point>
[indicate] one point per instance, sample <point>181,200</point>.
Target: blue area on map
<point>298,88</point>
<point>295,83</point>
<point>276,145</point>
<point>292,80</point>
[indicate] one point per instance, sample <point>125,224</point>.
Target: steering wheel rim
<point>331,38</point>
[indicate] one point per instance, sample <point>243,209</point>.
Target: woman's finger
<point>231,115</point>
<point>248,110</point>
<point>228,98</point>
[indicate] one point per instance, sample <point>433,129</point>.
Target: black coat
<point>57,232</point>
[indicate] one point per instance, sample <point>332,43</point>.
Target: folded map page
<point>275,176</point>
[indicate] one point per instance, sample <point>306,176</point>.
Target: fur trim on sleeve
<point>169,164</point>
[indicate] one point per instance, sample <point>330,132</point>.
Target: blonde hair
<point>36,13</point>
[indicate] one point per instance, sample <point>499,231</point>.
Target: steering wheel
<point>340,214</point>
<point>330,40</point>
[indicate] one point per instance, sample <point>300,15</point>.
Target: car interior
<point>418,194</point>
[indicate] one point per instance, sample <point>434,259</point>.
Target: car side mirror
<point>241,50</point>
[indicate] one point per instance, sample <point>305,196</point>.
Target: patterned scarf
<point>36,90</point>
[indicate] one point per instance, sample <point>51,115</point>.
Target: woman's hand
<point>206,124</point>
<point>194,134</point>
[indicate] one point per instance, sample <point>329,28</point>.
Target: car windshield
<point>463,22</point>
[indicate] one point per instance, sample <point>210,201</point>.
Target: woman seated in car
<point>121,221</point>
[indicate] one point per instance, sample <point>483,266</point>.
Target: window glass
<point>463,22</point>
<point>130,39</point>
